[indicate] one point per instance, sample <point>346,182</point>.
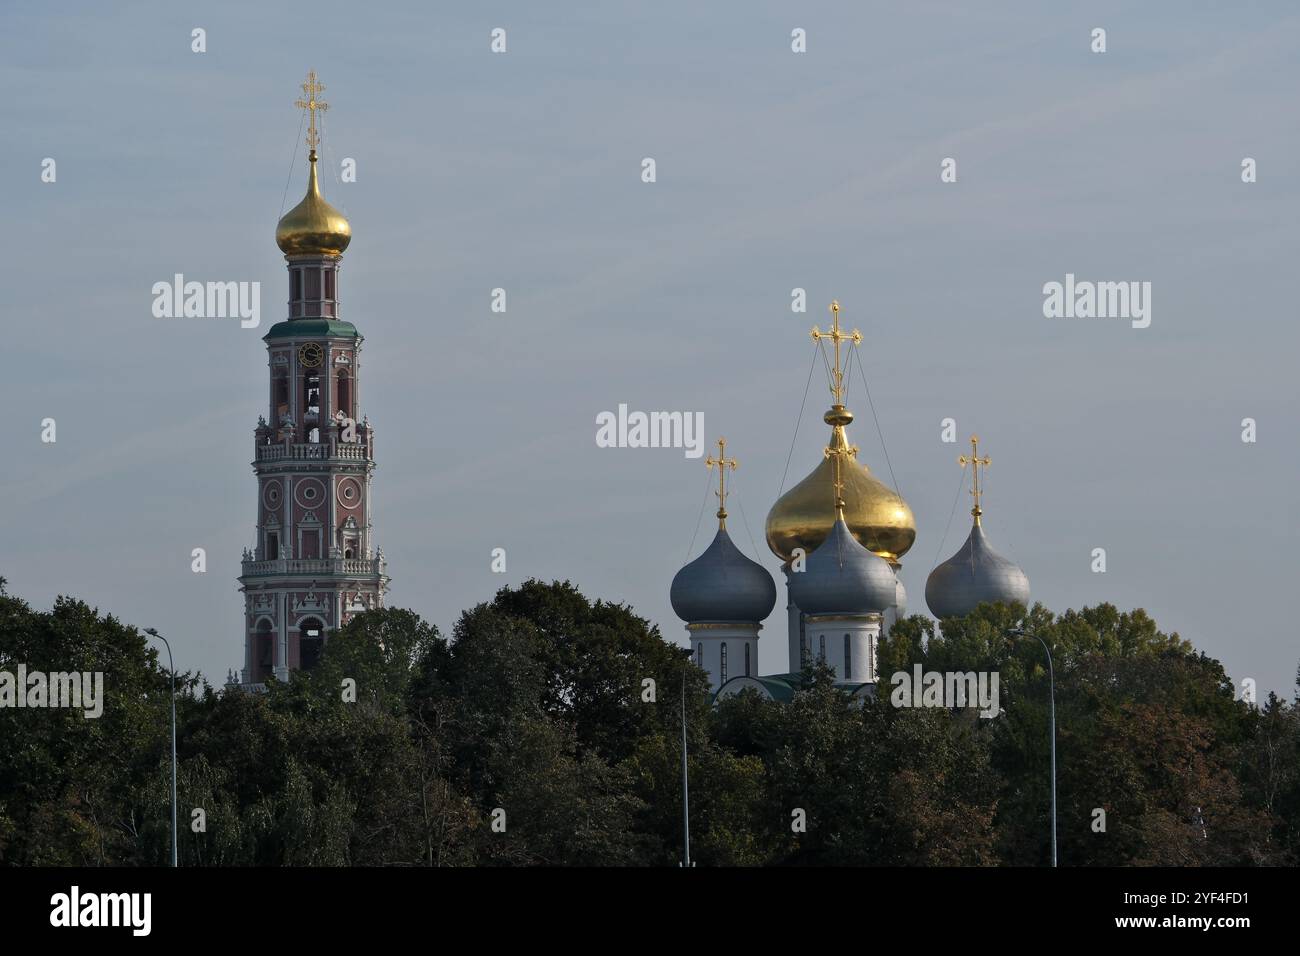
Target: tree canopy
<point>547,731</point>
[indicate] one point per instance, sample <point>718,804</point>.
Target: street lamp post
<point>686,790</point>
<point>1051,711</point>
<point>171,665</point>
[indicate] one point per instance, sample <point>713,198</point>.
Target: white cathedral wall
<point>799,633</point>
<point>794,619</point>
<point>707,648</point>
<point>829,635</point>
<point>899,610</point>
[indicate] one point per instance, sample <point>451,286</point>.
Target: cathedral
<point>840,535</point>
<point>313,565</point>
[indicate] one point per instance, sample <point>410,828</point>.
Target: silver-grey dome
<point>972,576</point>
<point>723,586</point>
<point>843,577</point>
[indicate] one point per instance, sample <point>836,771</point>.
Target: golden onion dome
<point>804,516</point>
<point>313,227</point>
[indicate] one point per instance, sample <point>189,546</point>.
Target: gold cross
<point>723,463</point>
<point>976,463</point>
<point>311,105</point>
<point>836,336</point>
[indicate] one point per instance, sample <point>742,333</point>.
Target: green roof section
<point>312,328</point>
<point>783,687</point>
<point>780,687</point>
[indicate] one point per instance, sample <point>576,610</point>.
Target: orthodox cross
<point>836,336</point>
<point>976,463</point>
<point>311,105</point>
<point>723,463</point>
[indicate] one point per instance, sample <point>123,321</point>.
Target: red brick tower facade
<point>314,564</point>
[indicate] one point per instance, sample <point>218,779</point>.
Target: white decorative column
<point>794,623</point>
<point>282,667</point>
<point>899,608</point>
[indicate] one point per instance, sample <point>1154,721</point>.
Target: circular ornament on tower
<point>271,496</point>
<point>309,493</point>
<point>349,493</point>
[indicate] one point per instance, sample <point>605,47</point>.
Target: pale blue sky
<point>775,170</point>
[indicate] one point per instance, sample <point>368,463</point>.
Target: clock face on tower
<point>311,355</point>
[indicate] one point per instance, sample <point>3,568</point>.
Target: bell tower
<point>313,564</point>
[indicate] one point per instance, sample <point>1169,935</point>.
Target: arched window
<point>311,390</point>
<point>803,650</point>
<point>344,405</point>
<point>263,651</point>
<point>281,398</point>
<point>311,641</point>
<point>848,659</point>
<point>747,658</point>
<point>723,674</point>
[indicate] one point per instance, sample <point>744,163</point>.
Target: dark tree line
<point>532,737</point>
